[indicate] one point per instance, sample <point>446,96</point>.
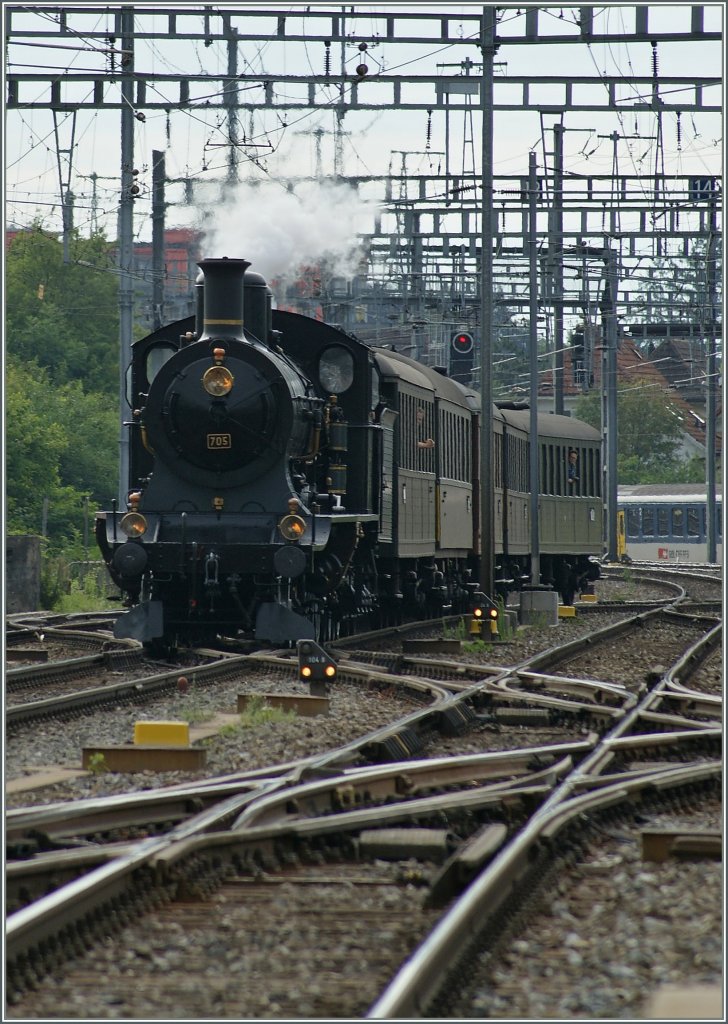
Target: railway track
<point>435,820</point>
<point>117,657</point>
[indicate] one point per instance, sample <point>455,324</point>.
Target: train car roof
<point>551,425</point>
<point>394,364</point>
<point>663,492</point>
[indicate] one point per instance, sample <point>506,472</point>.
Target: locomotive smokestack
<point>223,302</point>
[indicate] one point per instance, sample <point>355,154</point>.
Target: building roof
<point>634,368</point>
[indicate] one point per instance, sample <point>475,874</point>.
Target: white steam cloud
<point>279,231</point>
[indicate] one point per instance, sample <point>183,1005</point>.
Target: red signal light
<point>462,342</point>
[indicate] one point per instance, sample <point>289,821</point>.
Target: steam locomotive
<point>288,481</point>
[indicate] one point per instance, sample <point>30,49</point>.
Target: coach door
<point>455,491</point>
<point>387,476</point>
<point>416,479</point>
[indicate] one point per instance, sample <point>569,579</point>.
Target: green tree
<point>648,434</point>
<point>61,449</point>
<point>64,315</point>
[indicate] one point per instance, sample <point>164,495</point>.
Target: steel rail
<point>132,690</point>
<point>422,977</point>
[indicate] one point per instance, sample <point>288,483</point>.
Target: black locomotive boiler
<point>287,481</point>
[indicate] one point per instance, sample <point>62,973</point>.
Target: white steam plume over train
<point>280,231</point>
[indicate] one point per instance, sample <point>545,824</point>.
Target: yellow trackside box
<point>566,611</point>
<point>162,734</point>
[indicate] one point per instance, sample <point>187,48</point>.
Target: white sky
<point>193,140</point>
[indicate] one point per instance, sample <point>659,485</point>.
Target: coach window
<point>525,466</point>
<point>446,436</point>
<point>677,522</point>
<point>573,470</point>
<point>647,518</point>
<point>406,425</point>
<point>694,526</point>
<point>590,474</point>
<point>543,468</point>
<point>468,456</point>
<point>587,471</point>
<point>463,459</point>
<point>663,521</point>
<point>424,438</point>
<point>448,440</point>
<point>633,521</point>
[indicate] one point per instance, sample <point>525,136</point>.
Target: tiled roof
<point>635,369</point>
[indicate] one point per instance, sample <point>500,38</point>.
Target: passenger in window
<point>573,465</point>
<point>426,442</point>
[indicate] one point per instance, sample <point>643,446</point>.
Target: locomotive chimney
<point>223,301</point>
<point>256,305</point>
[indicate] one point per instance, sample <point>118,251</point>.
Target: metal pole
<point>231,99</point>
<point>557,253</point>
<point>158,209</point>
<point>710,404</point>
<point>533,365</point>
<point>609,403</point>
<point>487,527</point>
<point>67,196</point>
<point>126,238</point>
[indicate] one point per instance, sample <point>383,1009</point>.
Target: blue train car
<point>667,522</point>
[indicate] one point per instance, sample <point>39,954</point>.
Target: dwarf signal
<point>315,666</point>
<point>484,610</point>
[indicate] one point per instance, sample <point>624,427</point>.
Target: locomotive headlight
<point>133,524</point>
<point>217,381</point>
<point>292,527</point>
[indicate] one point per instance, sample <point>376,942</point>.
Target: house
<point>669,368</point>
